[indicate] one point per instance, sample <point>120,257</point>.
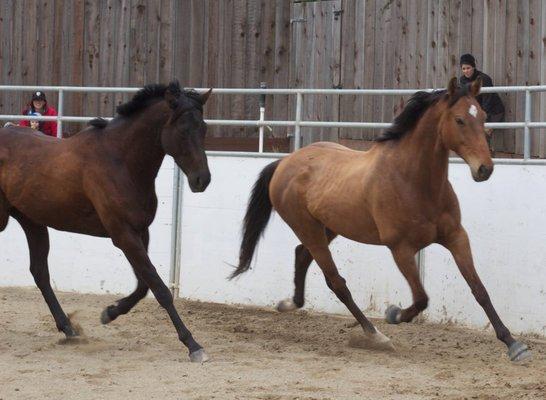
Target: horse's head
<point>183,135</point>
<point>462,128</point>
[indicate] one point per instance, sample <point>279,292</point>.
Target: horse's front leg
<point>458,244</point>
<point>124,305</point>
<point>132,245</point>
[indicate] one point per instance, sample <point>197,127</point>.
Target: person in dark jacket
<point>489,102</point>
<point>38,104</point>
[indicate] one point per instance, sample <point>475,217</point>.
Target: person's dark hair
<point>468,59</point>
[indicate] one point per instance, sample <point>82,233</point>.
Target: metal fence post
<point>176,230</point>
<point>297,133</point>
<point>60,114</point>
<point>420,260</point>
<point>526,133</point>
<point>263,85</point>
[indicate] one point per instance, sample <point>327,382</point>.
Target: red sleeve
<point>50,127</point>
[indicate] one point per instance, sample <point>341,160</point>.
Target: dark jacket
<point>490,102</point>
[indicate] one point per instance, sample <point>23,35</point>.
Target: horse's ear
<point>452,86</point>
<point>476,86</point>
<point>205,96</point>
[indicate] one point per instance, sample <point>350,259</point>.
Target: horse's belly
<point>77,217</point>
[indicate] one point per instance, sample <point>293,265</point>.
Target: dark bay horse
<point>101,182</point>
<point>396,194</point>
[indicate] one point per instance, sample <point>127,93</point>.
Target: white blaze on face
<point>473,110</point>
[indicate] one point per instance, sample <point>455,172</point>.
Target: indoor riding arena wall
<point>503,216</point>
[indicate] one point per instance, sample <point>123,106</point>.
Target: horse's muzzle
<point>199,181</point>
<point>483,173</point>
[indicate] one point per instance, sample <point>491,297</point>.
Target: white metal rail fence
<point>297,123</point>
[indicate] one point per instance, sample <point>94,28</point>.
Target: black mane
<point>150,92</point>
<point>414,110</point>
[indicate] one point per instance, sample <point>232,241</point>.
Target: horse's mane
<point>414,110</point>
<point>148,93</point>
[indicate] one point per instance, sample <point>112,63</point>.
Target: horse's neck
<point>140,143</point>
<point>423,155</point>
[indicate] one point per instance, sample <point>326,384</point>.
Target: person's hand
<point>488,132</point>
<point>34,125</point>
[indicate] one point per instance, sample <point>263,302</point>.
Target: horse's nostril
<point>482,170</point>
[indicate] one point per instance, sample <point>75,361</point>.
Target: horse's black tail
<point>256,218</point>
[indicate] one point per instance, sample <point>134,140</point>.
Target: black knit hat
<point>38,96</point>
<point>468,59</point>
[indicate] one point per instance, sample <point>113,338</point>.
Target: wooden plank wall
<point>240,43</point>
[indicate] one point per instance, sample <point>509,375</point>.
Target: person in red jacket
<point>38,104</point>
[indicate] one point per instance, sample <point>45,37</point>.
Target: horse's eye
<point>459,120</point>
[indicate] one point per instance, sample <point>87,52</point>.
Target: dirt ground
<point>255,354</point>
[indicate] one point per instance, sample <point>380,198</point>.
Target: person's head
<point>468,65</point>
<point>35,124</point>
<point>38,100</point>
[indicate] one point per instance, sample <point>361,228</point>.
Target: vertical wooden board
<point>165,71</point>
<point>433,44</point>
<point>542,96</point>
<point>153,32</point>
<point>251,57</point>
<point>421,54</point>
<point>281,78</point>
<point>486,63</point>
<point>391,26</point>
<point>91,66</point>
<point>74,65</point>
<point>109,15</point>
<point>522,67</point>
<point>225,55</point>
<point>48,40</point>
<point>535,44</point>
<point>443,49</point>
<point>212,32</point>
<point>29,44</point>
<point>182,41</point>
<point>380,46</point>
<point>465,28</point>
<point>197,43</point>
<point>366,66</point>
<point>137,43</point>
<point>412,46</point>
<point>498,69</point>
<point>509,78</point>
<point>453,35</point>
<point>478,30</point>
<point>351,51</point>
<point>334,22</point>
<point>122,50</point>
<point>238,53</point>
<point>7,56</point>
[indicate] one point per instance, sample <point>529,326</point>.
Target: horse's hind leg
<point>302,262</point>
<point>313,236</point>
<point>38,244</point>
<point>405,260</point>
<point>123,306</point>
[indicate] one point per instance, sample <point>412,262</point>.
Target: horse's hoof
<point>286,305</point>
<point>70,332</point>
<point>519,352</point>
<point>104,317</point>
<point>393,314</point>
<point>199,356</point>
<point>374,341</point>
